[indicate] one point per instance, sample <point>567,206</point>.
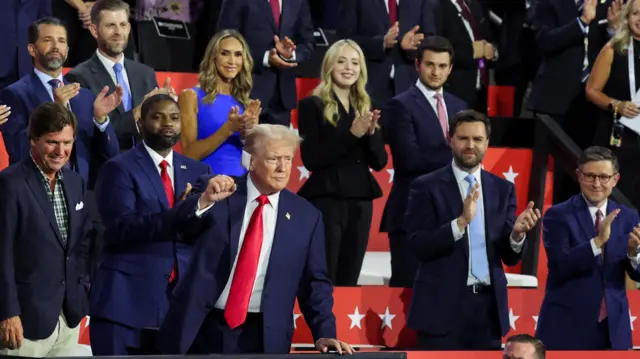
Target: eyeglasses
<point>590,177</point>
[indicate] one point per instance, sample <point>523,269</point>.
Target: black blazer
<point>39,276</point>
<point>92,75</point>
<point>338,160</point>
<point>449,24</point>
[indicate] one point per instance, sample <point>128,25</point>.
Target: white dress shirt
<point>598,251</point>
<point>430,94</point>
<point>108,65</point>
<point>269,216</point>
<point>157,159</point>
<point>44,78</point>
<point>457,235</point>
<point>265,59</point>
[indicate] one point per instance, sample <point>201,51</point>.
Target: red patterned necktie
<point>168,190</point>
<point>246,268</point>
<point>275,9</point>
<point>603,305</point>
<point>393,11</point>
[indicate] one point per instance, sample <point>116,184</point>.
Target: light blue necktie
<point>477,243</point>
<point>126,95</point>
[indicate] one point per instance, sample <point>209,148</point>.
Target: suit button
<point>67,258</point>
<point>62,282</point>
<point>167,276</point>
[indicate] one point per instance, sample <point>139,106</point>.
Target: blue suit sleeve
<point>564,261</point>
<point>104,144</point>
<point>316,291</point>
<point>15,131</point>
<point>119,206</point>
<point>9,304</point>
<point>430,239</point>
<point>508,255</point>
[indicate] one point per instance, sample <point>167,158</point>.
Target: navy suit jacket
<point>254,20</point>
<point>40,276</point>
<point>143,237</point>
<point>412,129</point>
<point>434,202</point>
<point>15,18</point>
<point>92,147</point>
<point>367,22</point>
<point>297,268</point>
<point>569,313</point>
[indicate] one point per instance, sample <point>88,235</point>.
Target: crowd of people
<point>100,216</point>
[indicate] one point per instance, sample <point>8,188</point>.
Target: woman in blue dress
<point>216,113</point>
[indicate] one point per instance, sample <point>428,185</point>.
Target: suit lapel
<point>136,87</point>
<point>39,93</point>
<point>284,228</point>
<point>179,175</point>
<point>428,110</point>
<point>71,208</point>
<point>452,191</point>
<point>101,76</point>
<point>266,9</point>
<point>36,184</point>
<point>489,200</point>
<point>583,216</point>
<point>287,14</point>
<point>382,10</point>
<point>237,205</point>
<point>611,206</point>
<point>451,110</point>
<point>152,174</point>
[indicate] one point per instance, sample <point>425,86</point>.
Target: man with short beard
<point>108,67</point>
<point>460,292</point>
<point>147,244</point>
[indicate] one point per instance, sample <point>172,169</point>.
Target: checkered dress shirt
<point>59,203</point>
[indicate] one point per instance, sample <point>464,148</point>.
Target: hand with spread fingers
<point>285,47</point>
<point>251,116</point>
<point>375,116</point>
<point>103,105</point>
<point>361,124</point>
<point>218,188</point>
<point>469,207</point>
<point>324,345</point>
<point>605,229</point>
<point>412,39</point>
<point>5,111</point>
<point>526,221</point>
<point>63,94</point>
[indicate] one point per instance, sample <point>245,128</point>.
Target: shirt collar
<point>460,174</point>
<point>157,158</point>
<point>426,91</point>
<point>253,194</point>
<point>107,63</point>
<point>593,209</point>
<point>46,78</point>
<point>44,176</point>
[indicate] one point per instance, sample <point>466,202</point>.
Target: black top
<point>617,86</point>
<point>338,160</point>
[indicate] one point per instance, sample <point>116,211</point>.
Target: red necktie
<point>246,268</point>
<point>603,305</point>
<point>393,11</point>
<point>168,190</point>
<point>275,9</point>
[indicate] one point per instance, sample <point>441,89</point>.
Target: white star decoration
<point>535,317</point>
<point>512,319</point>
<point>391,173</point>
<point>386,319</point>
<point>295,317</point>
<point>510,175</point>
<point>304,172</point>
<point>631,319</point>
<point>356,317</point>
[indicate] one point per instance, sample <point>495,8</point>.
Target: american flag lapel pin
<point>288,215</point>
<point>183,167</point>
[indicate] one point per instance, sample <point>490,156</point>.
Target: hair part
<point>50,117</point>
<point>107,5</point>
<point>437,44</point>
<point>257,136</point>
<point>33,32</point>
<point>358,96</point>
<point>241,85</point>
<point>469,116</point>
<point>151,102</point>
<point>540,350</point>
<point>596,154</point>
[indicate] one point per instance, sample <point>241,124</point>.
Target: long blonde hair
<point>207,78</point>
<point>620,41</point>
<point>358,97</point>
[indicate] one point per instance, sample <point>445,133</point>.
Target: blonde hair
<point>207,78</point>
<point>620,41</point>
<point>257,136</point>
<point>358,97</point>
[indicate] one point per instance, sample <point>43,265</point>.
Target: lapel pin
<point>183,167</point>
<point>288,215</point>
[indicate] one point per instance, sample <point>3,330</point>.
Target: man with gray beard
<point>108,67</point>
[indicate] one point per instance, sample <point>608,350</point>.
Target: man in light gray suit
<point>108,67</point>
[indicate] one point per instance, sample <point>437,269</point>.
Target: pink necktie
<point>603,305</point>
<point>442,116</point>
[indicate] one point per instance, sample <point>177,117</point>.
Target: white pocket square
<point>79,206</point>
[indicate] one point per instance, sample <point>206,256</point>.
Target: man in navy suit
<point>146,247</point>
<point>415,125</point>
<point>591,242</point>
<point>460,292</point>
<point>389,33</point>
<point>280,36</point>
<point>265,248</point>
<point>96,141</point>
<point>15,18</point>
<point>44,235</point>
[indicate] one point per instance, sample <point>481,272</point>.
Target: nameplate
<point>171,29</point>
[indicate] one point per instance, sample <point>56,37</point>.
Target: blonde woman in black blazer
<point>341,141</point>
